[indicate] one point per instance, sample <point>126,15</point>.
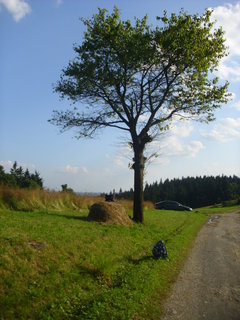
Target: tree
<point>136,78</point>
<point>36,180</point>
<point>18,178</point>
<point>66,189</point>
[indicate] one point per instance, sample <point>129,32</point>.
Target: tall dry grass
<point>38,199</point>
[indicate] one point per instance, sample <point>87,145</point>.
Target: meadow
<point>55,264</point>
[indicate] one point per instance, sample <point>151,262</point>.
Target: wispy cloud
<point>225,130</point>
<point>6,164</point>
<point>18,8</point>
<point>229,70</point>
<point>228,18</point>
<point>123,157</point>
<point>182,129</point>
<point>9,163</point>
<point>174,146</point>
<point>70,169</point>
<point>84,170</point>
<point>175,143</point>
<point>236,105</point>
<point>74,169</point>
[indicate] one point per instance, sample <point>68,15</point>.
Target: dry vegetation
<point>110,213</point>
<point>38,199</point>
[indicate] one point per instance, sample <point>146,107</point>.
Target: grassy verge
<point>57,265</point>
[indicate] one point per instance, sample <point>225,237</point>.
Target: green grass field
<point>57,265</point>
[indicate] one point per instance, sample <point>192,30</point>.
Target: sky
<point>36,43</point>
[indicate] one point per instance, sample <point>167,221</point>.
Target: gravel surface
<point>208,287</point>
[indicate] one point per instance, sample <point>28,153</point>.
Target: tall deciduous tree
<point>136,78</point>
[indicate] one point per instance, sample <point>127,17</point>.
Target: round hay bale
<point>109,212</point>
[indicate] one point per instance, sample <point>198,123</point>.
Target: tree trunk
<point>138,186</point>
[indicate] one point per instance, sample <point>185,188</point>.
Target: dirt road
<point>209,285</point>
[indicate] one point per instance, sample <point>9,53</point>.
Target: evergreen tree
<point>195,192</point>
<point>20,178</point>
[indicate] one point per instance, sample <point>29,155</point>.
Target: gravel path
<point>209,285</point>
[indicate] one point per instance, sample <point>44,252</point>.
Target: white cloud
<point>173,146</point>
<point>193,148</point>
<point>6,164</point>
<point>228,18</point>
<point>18,8</point>
<point>175,142</point>
<point>225,130</point>
<point>182,129</point>
<point>74,169</point>
<point>84,170</point>
<point>123,157</point>
<point>71,169</point>
<point>229,70</point>
<point>9,163</point>
<point>237,105</point>
<point>119,161</point>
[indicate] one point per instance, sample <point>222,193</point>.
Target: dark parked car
<point>171,205</point>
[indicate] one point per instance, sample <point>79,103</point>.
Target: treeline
<point>191,191</point>
<point>18,177</point>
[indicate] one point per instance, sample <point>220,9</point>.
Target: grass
<point>57,265</point>
<point>38,199</point>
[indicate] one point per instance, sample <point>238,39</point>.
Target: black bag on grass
<point>159,250</point>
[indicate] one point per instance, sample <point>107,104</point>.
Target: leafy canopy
<point>135,77</point>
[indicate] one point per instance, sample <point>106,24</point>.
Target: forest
<point>192,191</point>
<point>18,177</point>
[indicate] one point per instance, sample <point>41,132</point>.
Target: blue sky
<point>37,40</point>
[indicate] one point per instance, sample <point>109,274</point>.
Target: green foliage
<point>136,78</point>
<point>124,71</point>
<point>66,189</point>
<point>20,178</point>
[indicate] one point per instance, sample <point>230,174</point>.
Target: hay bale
<point>109,212</point>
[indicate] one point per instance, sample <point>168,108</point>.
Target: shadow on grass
<point>140,260</point>
<point>56,215</point>
<point>70,217</point>
<point>90,270</point>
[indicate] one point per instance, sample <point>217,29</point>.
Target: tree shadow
<point>71,217</point>
<point>66,216</point>
<point>90,270</point>
<point>140,260</point>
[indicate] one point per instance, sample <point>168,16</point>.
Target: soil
<point>208,287</point>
